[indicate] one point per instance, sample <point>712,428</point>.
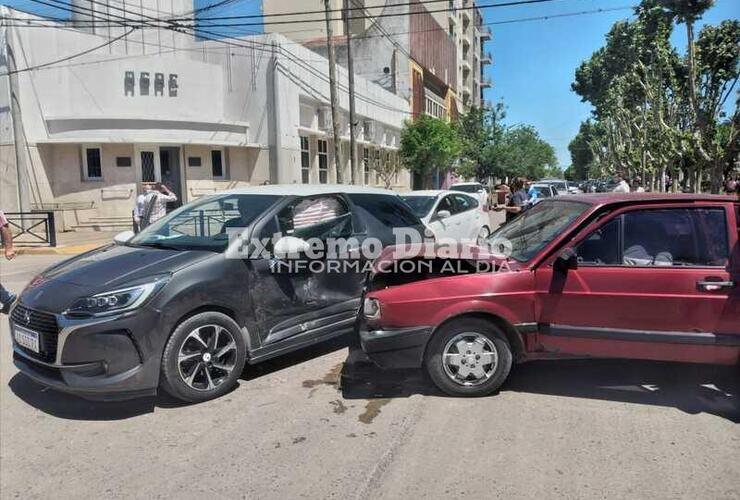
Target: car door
<point>651,282</point>
<point>311,297</point>
<point>468,217</point>
<point>444,227</point>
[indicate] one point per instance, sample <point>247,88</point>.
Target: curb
<point>65,250</point>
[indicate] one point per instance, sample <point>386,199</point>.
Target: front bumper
<point>396,348</point>
<point>97,358</point>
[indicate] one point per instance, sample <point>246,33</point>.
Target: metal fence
<point>32,228</point>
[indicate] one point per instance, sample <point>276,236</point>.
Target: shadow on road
<point>690,388</point>
<point>67,406</point>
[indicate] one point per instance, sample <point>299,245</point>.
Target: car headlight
<point>115,301</point>
<point>371,308</point>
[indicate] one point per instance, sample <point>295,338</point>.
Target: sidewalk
<point>71,243</point>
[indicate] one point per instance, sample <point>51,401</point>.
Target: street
<point>310,425</point>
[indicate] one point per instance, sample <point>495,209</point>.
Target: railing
<point>31,224</point>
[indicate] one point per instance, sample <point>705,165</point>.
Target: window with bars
<point>92,167</point>
<point>147,166</point>
<point>323,161</point>
<point>305,161</point>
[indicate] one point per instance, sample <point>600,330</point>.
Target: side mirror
<point>568,259</point>
<point>122,238</point>
<point>290,245</point>
<point>443,214</point>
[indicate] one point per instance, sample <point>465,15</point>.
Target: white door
<point>449,226</point>
<point>148,168</point>
<point>467,217</point>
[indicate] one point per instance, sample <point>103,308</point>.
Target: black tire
<point>433,359</point>
<point>171,378</point>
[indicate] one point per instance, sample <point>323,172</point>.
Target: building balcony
<point>485,33</point>
<point>486,83</point>
<point>452,16</point>
<point>465,41</point>
<point>486,58</point>
<point>466,65</point>
<point>465,14</point>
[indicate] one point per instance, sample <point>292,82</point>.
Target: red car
<point>644,276</point>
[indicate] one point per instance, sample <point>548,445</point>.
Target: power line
<point>321,20</point>
<point>67,58</point>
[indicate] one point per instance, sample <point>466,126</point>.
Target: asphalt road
<point>313,426</point>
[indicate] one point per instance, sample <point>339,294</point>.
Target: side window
<point>464,203</point>
<point>317,217</point>
<point>386,210</point>
<point>446,204</point>
<point>675,237</point>
<point>601,247</point>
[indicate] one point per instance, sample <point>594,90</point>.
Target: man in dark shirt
<point>518,200</point>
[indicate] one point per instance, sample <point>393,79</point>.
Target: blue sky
<point>533,62</point>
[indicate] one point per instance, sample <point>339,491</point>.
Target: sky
<point>533,62</point>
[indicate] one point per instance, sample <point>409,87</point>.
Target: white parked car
<point>450,214</point>
<point>474,189</point>
<point>545,191</point>
<point>562,186</point>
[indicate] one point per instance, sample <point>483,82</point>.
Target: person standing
<point>155,204</point>
<point>517,202</point>
<point>138,210</point>
<point>622,185</point>
<point>637,185</point>
<point>6,298</point>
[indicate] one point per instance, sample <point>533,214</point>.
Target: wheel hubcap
<point>469,358</point>
<point>482,236</point>
<point>207,357</point>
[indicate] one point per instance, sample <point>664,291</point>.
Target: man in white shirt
<point>138,210</point>
<point>622,186</point>
<point>155,204</point>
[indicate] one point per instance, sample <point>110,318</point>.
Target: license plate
<point>26,338</point>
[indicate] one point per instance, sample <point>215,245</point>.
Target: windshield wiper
<point>160,245</point>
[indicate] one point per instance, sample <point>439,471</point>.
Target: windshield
<point>538,226</point>
<point>466,188</point>
<point>420,205</point>
<point>543,191</point>
<point>202,224</point>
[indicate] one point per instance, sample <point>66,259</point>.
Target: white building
<point>80,136</point>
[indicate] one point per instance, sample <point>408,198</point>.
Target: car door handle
<point>713,286</point>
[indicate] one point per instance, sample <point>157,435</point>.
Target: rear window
<point>467,188</point>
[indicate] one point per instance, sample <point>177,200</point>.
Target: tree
<point>654,111</point>
<point>521,151</point>
<point>386,171</point>
<point>582,154</point>
<point>429,146</point>
<point>478,129</point>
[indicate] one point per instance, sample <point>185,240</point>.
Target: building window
<point>323,161</point>
<point>194,161</point>
<point>92,168</point>
<point>123,161</point>
<point>217,164</point>
<point>305,161</point>
<point>366,164</point>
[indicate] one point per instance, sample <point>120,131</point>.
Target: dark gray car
<point>172,307</point>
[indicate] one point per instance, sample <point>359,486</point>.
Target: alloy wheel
<point>207,357</point>
<point>470,358</point>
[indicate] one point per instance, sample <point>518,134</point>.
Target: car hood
<point>105,268</point>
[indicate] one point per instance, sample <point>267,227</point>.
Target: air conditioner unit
<point>325,119</point>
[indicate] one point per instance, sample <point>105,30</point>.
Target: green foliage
<point>520,151</point>
<point>429,145</point>
<point>654,110</point>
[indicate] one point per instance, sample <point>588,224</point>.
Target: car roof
<point>307,190</point>
<point>466,184</point>
<point>429,192</point>
<point>609,198</point>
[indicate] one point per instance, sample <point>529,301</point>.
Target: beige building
<point>80,137</point>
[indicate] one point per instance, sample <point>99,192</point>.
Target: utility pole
<point>351,75</point>
<point>333,90</point>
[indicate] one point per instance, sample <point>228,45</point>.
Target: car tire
<point>447,362</point>
<point>203,358</point>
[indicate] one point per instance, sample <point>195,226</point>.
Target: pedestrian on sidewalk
<point>6,298</point>
<point>622,184</point>
<point>155,204</point>
<point>518,201</point>
<point>138,210</point>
